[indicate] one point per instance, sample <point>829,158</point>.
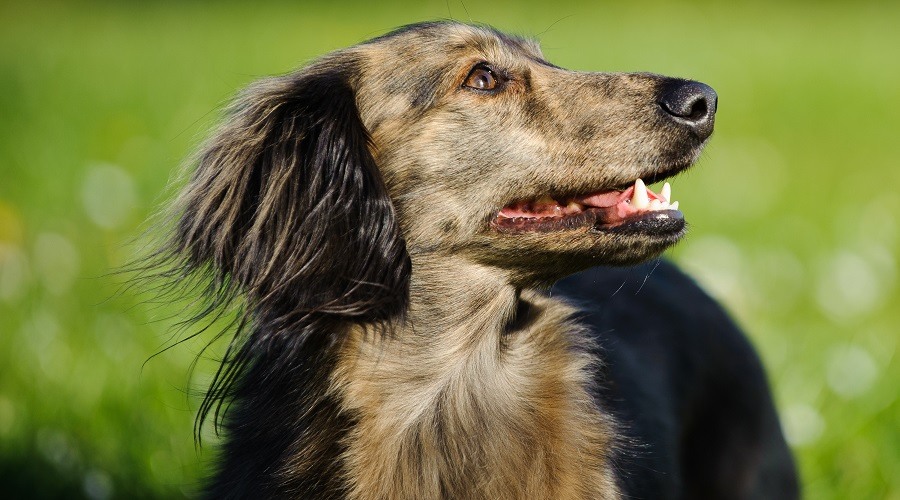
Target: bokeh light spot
<point>56,261</point>
<point>108,195</point>
<point>57,449</point>
<point>97,485</point>
<point>41,330</point>
<point>848,287</point>
<point>851,370</point>
<point>802,424</point>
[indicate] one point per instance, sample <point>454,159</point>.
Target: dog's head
<point>489,150</point>
<point>437,138</point>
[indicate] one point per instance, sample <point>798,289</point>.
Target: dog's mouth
<point>635,209</point>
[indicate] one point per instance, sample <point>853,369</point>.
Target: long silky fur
<point>286,219</point>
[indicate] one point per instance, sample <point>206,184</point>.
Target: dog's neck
<point>490,404</point>
<point>452,294</point>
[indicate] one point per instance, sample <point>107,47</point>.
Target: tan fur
<point>454,407</point>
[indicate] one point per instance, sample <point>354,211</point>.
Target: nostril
<point>699,109</point>
<point>690,103</point>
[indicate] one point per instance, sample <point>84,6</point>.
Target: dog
<point>388,221</point>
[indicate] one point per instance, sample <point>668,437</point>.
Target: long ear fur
<point>287,201</point>
<point>287,209</point>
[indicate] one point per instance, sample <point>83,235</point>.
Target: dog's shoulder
<point>683,381</point>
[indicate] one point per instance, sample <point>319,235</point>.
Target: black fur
<point>685,385</point>
<point>301,225</point>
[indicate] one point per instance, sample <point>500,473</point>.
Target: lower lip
<point>653,223</point>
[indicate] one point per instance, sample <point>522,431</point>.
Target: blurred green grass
<point>794,209</point>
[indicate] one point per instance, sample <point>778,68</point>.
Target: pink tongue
<point>607,199</point>
<point>612,198</point>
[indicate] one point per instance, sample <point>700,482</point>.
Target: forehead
<point>450,40</point>
<point>412,68</point>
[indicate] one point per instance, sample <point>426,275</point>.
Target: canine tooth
<point>545,200</point>
<point>673,206</point>
<point>666,192</point>
<point>573,207</point>
<point>639,199</point>
<point>656,205</point>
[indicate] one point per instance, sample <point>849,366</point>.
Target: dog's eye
<point>482,78</point>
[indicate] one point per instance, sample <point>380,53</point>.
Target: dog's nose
<point>692,104</point>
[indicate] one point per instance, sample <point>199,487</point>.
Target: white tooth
<point>655,205</point>
<point>639,199</point>
<point>673,206</point>
<point>666,192</point>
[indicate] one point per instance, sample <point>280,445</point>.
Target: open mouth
<point>632,210</point>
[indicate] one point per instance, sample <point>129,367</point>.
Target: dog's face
<point>489,150</point>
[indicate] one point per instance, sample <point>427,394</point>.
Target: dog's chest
<point>481,418</point>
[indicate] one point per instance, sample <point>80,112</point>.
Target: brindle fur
<point>393,345</point>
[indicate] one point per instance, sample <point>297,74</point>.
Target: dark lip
<point>664,223</point>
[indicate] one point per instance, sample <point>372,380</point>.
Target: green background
<point>794,209</point>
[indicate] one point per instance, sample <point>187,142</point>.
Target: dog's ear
<point>287,206</point>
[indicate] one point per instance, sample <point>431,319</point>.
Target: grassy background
<point>794,209</point>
